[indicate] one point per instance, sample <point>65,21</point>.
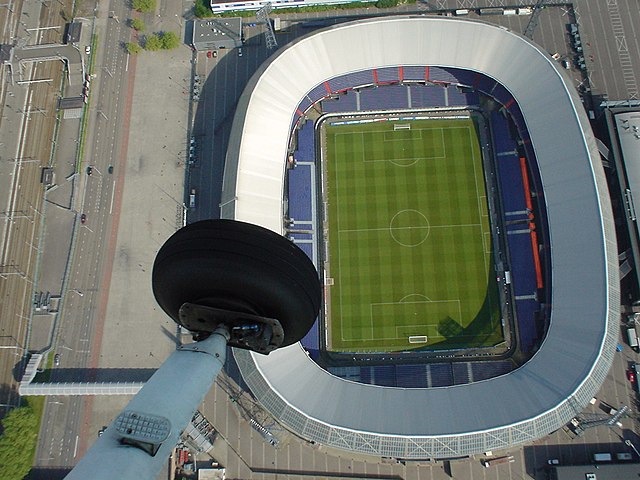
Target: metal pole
<point>172,394</point>
<point>630,444</point>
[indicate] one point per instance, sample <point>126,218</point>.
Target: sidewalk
<point>136,333</point>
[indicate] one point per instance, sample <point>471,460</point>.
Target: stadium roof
<point>576,355</point>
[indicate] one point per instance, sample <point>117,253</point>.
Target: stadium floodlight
<point>230,283</point>
<point>263,16</point>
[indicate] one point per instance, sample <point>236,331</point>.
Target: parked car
<point>631,375</point>
<point>209,54</point>
<point>110,169</point>
<point>83,218</point>
<point>101,431</point>
<point>89,170</point>
<point>56,359</point>
<point>87,49</point>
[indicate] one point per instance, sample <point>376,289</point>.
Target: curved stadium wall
<point>459,420</point>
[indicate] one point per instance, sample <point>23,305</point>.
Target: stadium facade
<point>574,358</point>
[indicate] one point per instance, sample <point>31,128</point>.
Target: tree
<point>152,43</point>
<point>133,48</point>
<point>18,439</point>
<point>202,9</point>
<point>386,3</point>
<point>169,40</point>
<point>144,5</point>
<point>137,24</point>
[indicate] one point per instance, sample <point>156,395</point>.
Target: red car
<point>83,218</point>
<point>209,54</point>
<point>631,375</point>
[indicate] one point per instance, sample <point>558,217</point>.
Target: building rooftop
<point>625,471</point>
<point>213,33</point>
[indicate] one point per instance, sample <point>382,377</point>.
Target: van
<point>602,457</point>
<point>633,339</point>
<point>492,11</point>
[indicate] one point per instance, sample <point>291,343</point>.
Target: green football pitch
<point>408,237</point>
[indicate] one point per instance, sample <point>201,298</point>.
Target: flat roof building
<point>74,30</point>
<point>215,33</point>
<point>625,471</point>
<point>624,130</point>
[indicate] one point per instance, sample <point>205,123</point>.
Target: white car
<point>87,49</point>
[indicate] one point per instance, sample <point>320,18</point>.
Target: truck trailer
<point>490,462</point>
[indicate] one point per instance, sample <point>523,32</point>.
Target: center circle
<point>409,228</point>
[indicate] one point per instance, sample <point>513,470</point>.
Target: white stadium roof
<point>574,358</point>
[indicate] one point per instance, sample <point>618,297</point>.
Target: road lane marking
<point>113,194</point>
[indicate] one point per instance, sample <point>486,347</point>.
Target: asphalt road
<point>85,296</point>
<point>226,73</point>
<point>611,29</point>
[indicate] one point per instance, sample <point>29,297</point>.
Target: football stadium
<point>444,179</point>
